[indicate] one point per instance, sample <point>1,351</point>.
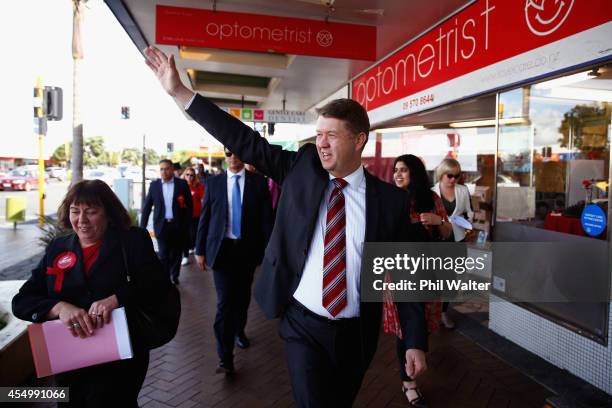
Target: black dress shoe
<point>225,367</point>
<point>242,341</point>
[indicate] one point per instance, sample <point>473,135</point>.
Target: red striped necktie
<point>334,258</point>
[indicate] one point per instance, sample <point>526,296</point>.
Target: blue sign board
<point>593,220</point>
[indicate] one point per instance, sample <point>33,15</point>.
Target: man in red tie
<point>311,270</point>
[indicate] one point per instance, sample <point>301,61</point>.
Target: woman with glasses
<point>197,197</point>
<point>456,200</point>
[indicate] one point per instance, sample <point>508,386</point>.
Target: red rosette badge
<point>63,262</point>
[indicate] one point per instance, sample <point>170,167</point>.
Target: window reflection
<point>557,157</point>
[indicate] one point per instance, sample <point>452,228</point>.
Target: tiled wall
<point>582,357</point>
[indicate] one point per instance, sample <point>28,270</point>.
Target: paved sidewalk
<point>181,374</point>
<point>20,249</point>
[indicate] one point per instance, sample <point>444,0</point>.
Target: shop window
<point>473,147</point>
<point>554,152</point>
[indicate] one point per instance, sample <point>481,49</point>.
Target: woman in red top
<point>409,173</point>
<point>82,278</point>
<point>197,197</point>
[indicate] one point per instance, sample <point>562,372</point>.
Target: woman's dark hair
<point>419,186</point>
<point>95,193</point>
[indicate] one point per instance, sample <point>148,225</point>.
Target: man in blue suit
<point>234,228</point>
<point>171,199</point>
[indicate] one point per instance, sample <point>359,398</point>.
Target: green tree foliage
<point>134,156</point>
<point>183,157</point>
<point>131,155</point>
<point>59,155</point>
<point>152,156</point>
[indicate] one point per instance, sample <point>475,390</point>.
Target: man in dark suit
<point>234,228</point>
<point>171,199</point>
<point>310,278</point>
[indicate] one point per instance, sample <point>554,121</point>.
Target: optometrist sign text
<point>487,45</point>
<point>263,33</point>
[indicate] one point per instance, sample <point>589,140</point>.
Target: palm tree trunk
<point>77,125</point>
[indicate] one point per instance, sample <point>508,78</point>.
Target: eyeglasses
<point>228,154</point>
<point>189,175</point>
<point>453,176</point>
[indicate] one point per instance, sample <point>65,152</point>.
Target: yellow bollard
<point>15,210</point>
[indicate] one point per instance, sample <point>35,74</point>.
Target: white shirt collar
<point>171,181</point>
<point>231,174</point>
<point>354,179</point>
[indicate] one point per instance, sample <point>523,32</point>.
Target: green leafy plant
<point>50,230</point>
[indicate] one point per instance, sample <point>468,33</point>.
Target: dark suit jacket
<point>256,218</point>
<point>37,296</point>
<point>182,208</point>
<point>304,181</point>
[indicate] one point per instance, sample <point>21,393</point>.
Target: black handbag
<point>153,327</point>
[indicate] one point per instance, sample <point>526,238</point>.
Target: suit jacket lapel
<point>77,274</point>
<point>372,205</point>
<point>161,194</point>
<point>247,194</point>
<point>224,196</point>
<point>175,194</point>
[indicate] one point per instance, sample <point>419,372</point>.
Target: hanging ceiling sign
<point>270,115</point>
<point>263,33</point>
<point>486,46</point>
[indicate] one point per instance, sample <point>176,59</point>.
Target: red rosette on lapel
<point>181,201</point>
<point>63,262</point>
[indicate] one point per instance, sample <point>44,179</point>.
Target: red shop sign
<point>263,33</point>
<point>487,45</point>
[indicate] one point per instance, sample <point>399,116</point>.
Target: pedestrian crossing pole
<point>40,128</point>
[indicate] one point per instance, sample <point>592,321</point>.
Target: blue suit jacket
<point>256,219</point>
<point>182,213</point>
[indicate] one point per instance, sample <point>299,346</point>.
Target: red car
<point>22,178</point>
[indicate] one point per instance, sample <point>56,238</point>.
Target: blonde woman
<point>456,200</point>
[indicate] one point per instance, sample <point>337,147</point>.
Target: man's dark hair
<point>350,111</point>
<point>167,161</point>
<point>176,166</point>
<point>95,193</point>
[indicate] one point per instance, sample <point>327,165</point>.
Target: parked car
<point>58,173</point>
<point>22,178</point>
<point>106,174</point>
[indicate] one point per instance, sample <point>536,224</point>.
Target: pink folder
<point>55,350</point>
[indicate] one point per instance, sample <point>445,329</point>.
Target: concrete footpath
<point>464,367</point>
<point>20,250</point>
<point>182,373</point>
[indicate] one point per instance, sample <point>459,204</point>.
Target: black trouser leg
<point>324,360</point>
<point>163,254</point>
<point>225,325</point>
<point>245,281</point>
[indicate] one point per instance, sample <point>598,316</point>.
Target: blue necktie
<point>236,208</point>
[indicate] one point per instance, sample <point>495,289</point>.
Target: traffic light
<point>125,112</point>
<point>53,103</point>
<point>170,147</point>
<point>271,128</point>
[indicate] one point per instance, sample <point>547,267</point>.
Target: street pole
<point>39,126</point>
<point>144,164</point>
